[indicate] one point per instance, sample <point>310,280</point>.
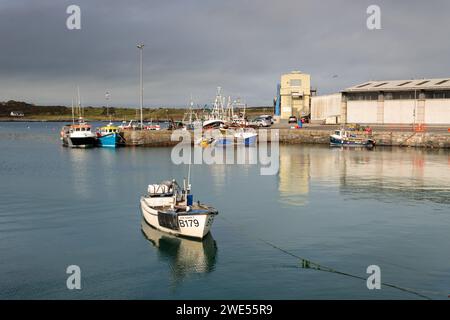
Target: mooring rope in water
<point>308,264</point>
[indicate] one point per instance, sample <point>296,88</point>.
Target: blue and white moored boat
<point>248,138</point>
<point>344,138</point>
<point>109,136</point>
<point>239,136</point>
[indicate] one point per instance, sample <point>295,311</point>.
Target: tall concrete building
<point>295,94</point>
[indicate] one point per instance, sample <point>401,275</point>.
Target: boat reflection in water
<point>387,174</point>
<point>185,256</point>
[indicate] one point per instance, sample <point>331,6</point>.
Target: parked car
<point>305,119</point>
<point>268,117</point>
<point>261,122</point>
<point>292,119</point>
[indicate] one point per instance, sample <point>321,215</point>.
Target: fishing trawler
<point>344,138</point>
<point>78,135</point>
<point>110,136</point>
<point>171,209</point>
<point>190,119</point>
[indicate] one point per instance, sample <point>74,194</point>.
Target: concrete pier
<point>299,136</point>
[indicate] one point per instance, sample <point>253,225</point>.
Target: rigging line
<point>306,264</point>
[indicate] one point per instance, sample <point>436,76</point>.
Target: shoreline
<point>439,140</point>
<point>55,120</point>
<point>436,137</point>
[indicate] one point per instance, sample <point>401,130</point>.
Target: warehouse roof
<point>401,85</point>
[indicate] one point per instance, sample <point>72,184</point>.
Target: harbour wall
<point>162,138</point>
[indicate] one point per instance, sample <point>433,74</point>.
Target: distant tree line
<point>28,109</point>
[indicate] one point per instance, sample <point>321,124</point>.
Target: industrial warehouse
<point>415,102</point>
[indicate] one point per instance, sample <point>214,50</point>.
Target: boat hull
<point>337,142</point>
<point>224,141</point>
<point>186,225</point>
<point>82,142</point>
<point>111,140</point>
<point>249,141</point>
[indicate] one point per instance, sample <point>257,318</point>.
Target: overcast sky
<point>191,47</point>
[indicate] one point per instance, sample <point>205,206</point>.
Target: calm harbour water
<point>343,209</point>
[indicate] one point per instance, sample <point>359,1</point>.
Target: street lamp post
<point>141,48</point>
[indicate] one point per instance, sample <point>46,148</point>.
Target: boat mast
<point>80,112</point>
<point>107,95</point>
<point>189,172</point>
<point>245,106</point>
<point>229,109</point>
<point>188,115</point>
<point>73,114</point>
<point>188,186</point>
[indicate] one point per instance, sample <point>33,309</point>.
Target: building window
<point>437,94</point>
<point>363,96</point>
<point>404,95</point>
<point>296,83</point>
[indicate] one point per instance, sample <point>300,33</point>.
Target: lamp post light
<point>141,49</point>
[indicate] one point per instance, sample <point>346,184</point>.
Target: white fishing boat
<point>219,115</point>
<point>152,126</point>
<point>213,124</point>
<point>132,125</point>
<point>345,138</point>
<point>171,209</point>
<point>78,135</point>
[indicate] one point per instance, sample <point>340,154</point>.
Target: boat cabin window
<point>88,129</point>
<point>77,129</point>
<point>337,132</point>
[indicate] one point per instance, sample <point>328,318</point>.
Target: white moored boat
<point>169,208</point>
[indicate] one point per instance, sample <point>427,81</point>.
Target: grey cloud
<point>194,46</point>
